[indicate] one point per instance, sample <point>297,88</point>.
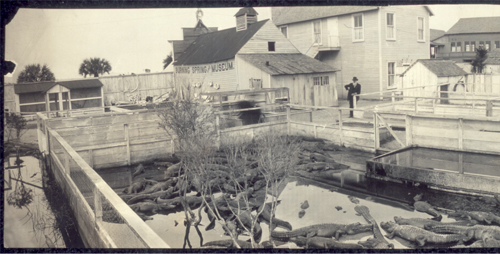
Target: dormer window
<point>271,46</point>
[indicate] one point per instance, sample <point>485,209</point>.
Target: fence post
<point>91,158</point>
<point>354,101</point>
<point>393,101</point>
<point>460,134</point>
<point>489,108</point>
<point>217,126</point>
<point>409,130</point>
<point>97,205</point>
<point>288,116</point>
<point>341,134</point>
<point>315,131</point>
<point>127,140</point>
<point>376,132</point>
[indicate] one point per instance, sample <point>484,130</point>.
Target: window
<point>255,83</point>
<point>358,30</point>
<point>467,46</point>
<point>284,31</point>
<point>391,74</point>
<point>459,46</point>
<point>472,46</point>
<point>420,29</point>
<point>488,45</point>
<point>497,44</point>
<point>318,81</point>
<point>453,48</point>
<point>391,27</point>
<point>271,46</point>
<point>317,31</point>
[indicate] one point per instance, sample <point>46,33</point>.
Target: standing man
<point>354,88</point>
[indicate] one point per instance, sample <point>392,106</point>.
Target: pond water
<point>40,218</point>
<point>437,159</point>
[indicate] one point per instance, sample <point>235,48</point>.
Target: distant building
<point>252,55</point>
<point>435,35</point>
<point>461,40</point>
<point>373,43</point>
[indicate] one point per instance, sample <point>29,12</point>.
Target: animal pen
<point>76,148</point>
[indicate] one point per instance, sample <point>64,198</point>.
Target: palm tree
<point>35,73</point>
<point>167,60</point>
<point>478,62</point>
<point>94,66</point>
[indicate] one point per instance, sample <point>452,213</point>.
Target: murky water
<point>473,163</point>
<point>35,216</point>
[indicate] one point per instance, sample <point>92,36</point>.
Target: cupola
<point>244,17</point>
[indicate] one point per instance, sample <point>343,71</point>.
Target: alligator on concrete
<point>379,241</point>
<point>421,222</point>
<point>149,208</point>
<point>192,201</point>
<point>486,217</point>
<point>230,244</point>
<point>421,236</point>
<point>324,230</point>
<point>246,219</point>
<point>323,243</point>
<point>161,186</point>
<point>135,187</point>
<point>425,207</point>
<point>478,231</point>
<point>266,216</point>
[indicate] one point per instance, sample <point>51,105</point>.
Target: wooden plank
<point>435,164</point>
<point>100,146</point>
<point>483,159</point>
<point>432,141</point>
<point>482,136</point>
<point>481,125</point>
<point>376,131</point>
<point>357,134</point>
<point>127,142</point>
<point>490,146</point>
<point>359,142</point>
<point>460,133</point>
<point>435,132</point>
<point>435,122</point>
<point>390,131</point>
<point>488,170</point>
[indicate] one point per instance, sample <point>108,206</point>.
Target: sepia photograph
<point>211,127</point>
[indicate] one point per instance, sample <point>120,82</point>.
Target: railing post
<point>217,126</point>
<point>97,205</point>
<point>91,158</point>
<point>409,130</point>
<point>315,131</point>
<point>127,140</point>
<point>66,165</point>
<point>288,116</point>
<point>393,101</point>
<point>489,108</point>
<point>376,132</point>
<point>460,134</point>
<point>341,134</point>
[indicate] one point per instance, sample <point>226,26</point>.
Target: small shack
<point>433,76</point>
<point>59,95</point>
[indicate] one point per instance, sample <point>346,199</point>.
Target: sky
<point>133,40</point>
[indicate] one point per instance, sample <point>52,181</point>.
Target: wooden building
<point>59,95</point>
<point>372,43</point>
<point>252,55</point>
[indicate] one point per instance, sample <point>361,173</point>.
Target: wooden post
<point>489,108</point>
<point>91,158</point>
<point>288,116</point>
<point>127,140</point>
<point>409,130</point>
<point>354,102</point>
<point>315,131</point>
<point>341,134</point>
<point>434,106</point>
<point>393,101</point>
<point>217,126</point>
<point>376,132</point>
<point>460,163</point>
<point>172,146</point>
<point>97,205</point>
<point>460,134</point>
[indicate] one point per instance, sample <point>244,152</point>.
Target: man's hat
<point>354,79</point>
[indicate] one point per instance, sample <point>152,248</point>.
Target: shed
<point>434,76</point>
<point>59,95</point>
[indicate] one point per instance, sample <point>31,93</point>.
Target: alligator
<point>266,216</point>
<point>161,186</point>
<point>323,243</point>
<point>321,166</point>
<point>136,187</point>
<point>321,157</point>
<point>490,241</point>
<point>486,217</point>
<point>149,207</point>
<point>138,170</point>
<point>144,217</point>
<point>192,201</point>
<point>421,236</point>
<point>174,170</point>
<point>421,222</point>
<point>324,230</point>
<point>379,241</point>
<point>425,207</point>
<point>476,244</point>
<point>478,231</point>
<point>229,243</point>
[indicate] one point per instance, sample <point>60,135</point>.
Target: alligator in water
<point>266,216</point>
<point>486,217</point>
<point>478,231</point>
<point>192,201</point>
<point>230,244</point>
<point>421,222</point>
<point>421,236</point>
<point>138,170</point>
<point>161,186</point>
<point>324,230</point>
<point>379,241</point>
<point>323,243</point>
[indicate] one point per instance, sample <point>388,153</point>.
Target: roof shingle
<point>279,64</point>
<point>442,68</point>
<point>218,46</point>
<point>476,26</point>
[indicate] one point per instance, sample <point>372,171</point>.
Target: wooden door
<point>326,93</point>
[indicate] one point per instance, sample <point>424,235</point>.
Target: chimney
<point>244,17</point>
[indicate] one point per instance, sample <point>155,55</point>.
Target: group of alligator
<point>173,191</point>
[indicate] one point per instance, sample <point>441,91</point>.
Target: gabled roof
<point>442,68</point>
<point>303,13</point>
<point>218,46</point>
<point>279,64</point>
<point>436,34</point>
<point>246,10</point>
<point>476,26</point>
<point>42,87</point>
